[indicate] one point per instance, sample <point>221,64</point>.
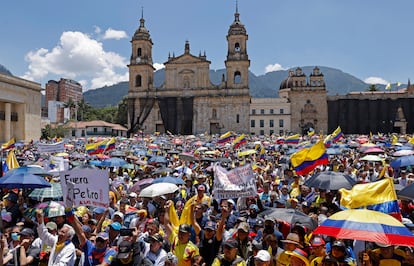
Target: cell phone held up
<point>125,232</point>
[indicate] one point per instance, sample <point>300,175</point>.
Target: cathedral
<point>187,102</point>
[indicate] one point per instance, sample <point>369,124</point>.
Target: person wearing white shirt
<point>63,250</point>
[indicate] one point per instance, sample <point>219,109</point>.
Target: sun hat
<point>292,238</point>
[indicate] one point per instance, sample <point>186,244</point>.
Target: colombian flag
<point>294,139</point>
<point>226,137</point>
<point>237,142</point>
<point>337,134</point>
<point>377,196</point>
<point>110,145</point>
<point>9,144</point>
<point>305,160</point>
<point>95,148</point>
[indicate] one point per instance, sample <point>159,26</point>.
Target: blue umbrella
<point>23,180</point>
<point>402,161</point>
<point>27,170</point>
<point>157,159</point>
<point>169,179</point>
<point>333,151</point>
<point>113,162</point>
<point>95,163</point>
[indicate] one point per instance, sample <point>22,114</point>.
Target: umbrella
<point>35,170</point>
<point>366,225</point>
<point>403,153</point>
<point>291,216</point>
<point>54,192</point>
<point>23,180</point>
<point>141,184</point>
<point>112,162</point>
<point>158,189</point>
<point>118,154</point>
<point>157,159</point>
<point>407,192</point>
<point>162,170</point>
<point>373,150</point>
<point>402,161</point>
<point>169,179</point>
<point>186,157</point>
<point>128,166</point>
<point>95,163</point>
<point>333,151</point>
<point>371,158</point>
<point>330,180</point>
<point>52,208</point>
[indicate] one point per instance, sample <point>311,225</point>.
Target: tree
<point>122,114</point>
<point>84,110</point>
<point>372,87</point>
<point>71,104</point>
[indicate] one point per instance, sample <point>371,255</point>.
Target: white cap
<point>263,255</point>
<point>133,195</point>
<point>120,214</point>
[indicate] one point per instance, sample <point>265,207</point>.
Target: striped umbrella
<point>51,193</point>
<point>366,225</point>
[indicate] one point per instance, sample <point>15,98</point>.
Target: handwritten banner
<point>237,183</point>
<point>90,187</point>
<point>51,148</point>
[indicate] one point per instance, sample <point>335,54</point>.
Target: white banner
<point>69,199</point>
<point>90,186</point>
<point>51,148</point>
<point>237,183</point>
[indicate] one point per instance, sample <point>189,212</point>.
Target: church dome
<point>286,84</point>
<point>141,33</point>
<point>237,28</point>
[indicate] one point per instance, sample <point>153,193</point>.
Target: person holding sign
<point>63,250</point>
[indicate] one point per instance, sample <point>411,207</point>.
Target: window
<point>138,81</point>
<point>262,132</point>
<point>73,133</point>
<point>139,52</point>
<point>253,111</point>
<point>281,132</point>
<point>237,47</point>
<point>237,77</point>
<point>214,115</point>
<point>14,116</point>
<point>271,132</point>
<point>271,111</point>
<point>237,118</point>
<point>262,123</point>
<point>105,130</point>
<point>262,111</point>
<point>252,123</point>
<point>83,133</point>
<point>281,111</point>
<point>271,123</point>
<point>280,122</point>
<point>95,130</point>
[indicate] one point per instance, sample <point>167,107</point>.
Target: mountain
<point>262,86</point>
<point>4,70</point>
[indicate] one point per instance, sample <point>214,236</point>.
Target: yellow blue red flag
<point>305,160</point>
<point>8,145</point>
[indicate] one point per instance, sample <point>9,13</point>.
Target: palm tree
<point>372,87</point>
<point>71,105</point>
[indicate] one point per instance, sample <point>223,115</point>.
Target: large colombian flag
<point>377,196</point>
<point>305,160</point>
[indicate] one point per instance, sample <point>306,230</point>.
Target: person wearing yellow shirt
<point>182,247</point>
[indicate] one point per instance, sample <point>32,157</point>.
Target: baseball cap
<point>231,201</point>
<point>263,255</point>
<point>124,249</point>
<point>157,237</point>
<point>115,226</point>
<point>51,225</point>
<point>244,226</point>
<point>120,214</point>
<point>318,241</point>
<point>98,210</point>
<point>259,223</point>
<point>210,225</point>
<point>185,228</point>
<point>231,243</point>
<point>132,195</point>
<point>103,235</point>
<point>27,232</point>
<point>201,187</point>
<point>338,243</point>
<point>86,228</point>
<point>254,207</point>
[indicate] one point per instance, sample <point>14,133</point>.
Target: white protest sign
<point>237,183</point>
<point>70,195</point>
<point>51,148</point>
<point>90,186</point>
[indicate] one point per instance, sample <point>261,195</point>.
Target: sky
<point>89,41</point>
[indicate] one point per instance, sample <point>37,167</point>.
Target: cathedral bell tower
<point>237,62</point>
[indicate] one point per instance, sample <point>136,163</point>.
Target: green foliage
<point>372,87</point>
<point>51,132</point>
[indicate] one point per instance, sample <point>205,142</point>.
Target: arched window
<point>139,52</point>
<point>237,77</point>
<point>237,47</point>
<point>138,81</point>
<point>214,114</point>
<point>237,118</point>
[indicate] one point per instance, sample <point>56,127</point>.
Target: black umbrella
<point>330,180</point>
<point>407,192</point>
<point>291,216</point>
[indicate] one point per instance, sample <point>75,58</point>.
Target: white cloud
<point>158,66</point>
<point>274,67</point>
<point>114,34</point>
<point>78,57</point>
<point>375,80</point>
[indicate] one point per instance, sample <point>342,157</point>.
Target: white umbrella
<point>158,189</point>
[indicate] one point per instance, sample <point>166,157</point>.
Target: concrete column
<point>7,121</point>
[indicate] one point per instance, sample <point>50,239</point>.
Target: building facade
<point>270,116</point>
<point>58,95</point>
<point>95,128</point>
<point>20,108</point>
<point>187,102</point>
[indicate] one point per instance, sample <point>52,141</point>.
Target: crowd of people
<point>136,230</point>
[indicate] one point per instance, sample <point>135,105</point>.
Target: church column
<point>7,121</point>
<point>180,115</point>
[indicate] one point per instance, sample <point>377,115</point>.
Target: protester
<point>229,255</point>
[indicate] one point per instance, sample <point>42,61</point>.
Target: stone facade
<point>270,116</point>
<point>187,102</point>
<point>20,109</point>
